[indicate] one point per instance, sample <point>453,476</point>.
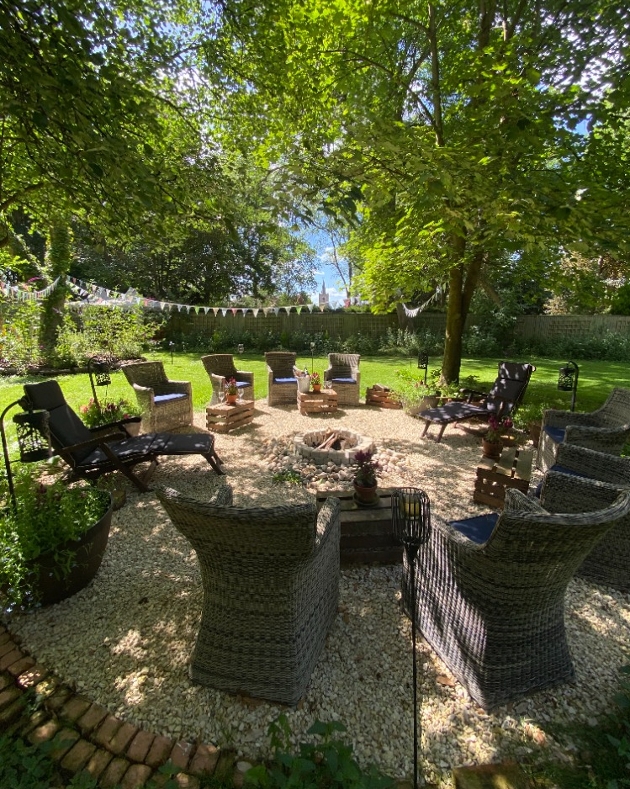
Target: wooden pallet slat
<point>382,397</point>
<point>222,418</point>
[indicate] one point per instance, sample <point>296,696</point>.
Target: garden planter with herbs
<point>53,543</point>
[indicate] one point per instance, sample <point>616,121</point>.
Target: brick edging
<point>85,736</point>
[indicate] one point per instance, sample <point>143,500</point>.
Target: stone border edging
<point>85,736</point>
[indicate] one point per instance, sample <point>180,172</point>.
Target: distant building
<point>323,296</point>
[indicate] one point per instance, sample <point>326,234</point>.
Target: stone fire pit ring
<point>306,444</point>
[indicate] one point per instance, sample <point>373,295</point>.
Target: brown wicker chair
<point>344,376</point>
<point>281,382</point>
<point>165,404</point>
<point>270,588</point>
<point>492,604</point>
<point>220,368</point>
<point>606,429</point>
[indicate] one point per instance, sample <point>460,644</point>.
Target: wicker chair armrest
<point>218,381</point>
<point>564,493</point>
<point>328,521</point>
<point>244,375</point>
<point>145,396</point>
<point>328,374</point>
<point>554,418</point>
<point>597,465</point>
<point>577,433</point>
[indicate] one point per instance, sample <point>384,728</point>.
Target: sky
<point>325,272</point>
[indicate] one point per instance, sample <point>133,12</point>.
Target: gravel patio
<point>125,641</point>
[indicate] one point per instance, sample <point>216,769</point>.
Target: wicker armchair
<point>165,404</point>
<point>344,376</point>
<point>492,607</point>
<point>270,589</point>
<point>609,561</point>
<point>220,367</point>
<point>606,430</point>
<point>281,382</point>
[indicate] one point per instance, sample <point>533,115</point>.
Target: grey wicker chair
<point>344,376</point>
<point>281,381</point>
<point>492,607</point>
<point>165,404</point>
<point>220,368</point>
<point>609,561</point>
<point>606,429</point>
<point>270,589</point>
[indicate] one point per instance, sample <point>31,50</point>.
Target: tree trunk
<point>59,254</point>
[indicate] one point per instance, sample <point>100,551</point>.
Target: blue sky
<point>320,242</point>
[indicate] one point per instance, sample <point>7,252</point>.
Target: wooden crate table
<point>221,417</point>
<point>512,470</point>
<point>381,396</point>
<point>322,402</point>
<point>367,534</point>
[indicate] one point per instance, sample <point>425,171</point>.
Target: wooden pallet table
<point>221,417</point>
<point>512,470</point>
<point>367,535</point>
<point>381,396</point>
<point>323,402</point>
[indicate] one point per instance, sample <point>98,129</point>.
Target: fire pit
<point>332,446</point>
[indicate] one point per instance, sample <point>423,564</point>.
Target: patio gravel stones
<point>124,642</point>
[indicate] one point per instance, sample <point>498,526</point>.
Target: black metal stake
<point>312,356</point>
<point>411,549</point>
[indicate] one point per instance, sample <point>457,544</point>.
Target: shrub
<point>19,335</point>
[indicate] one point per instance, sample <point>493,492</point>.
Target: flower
<point>315,379</point>
<point>230,387</point>
<point>497,427</point>
<point>365,475</point>
<point>108,411</point>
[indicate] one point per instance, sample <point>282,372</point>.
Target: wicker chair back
<point>281,363</point>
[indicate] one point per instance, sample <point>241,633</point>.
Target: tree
<point>453,128</point>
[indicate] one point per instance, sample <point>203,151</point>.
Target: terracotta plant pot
<point>365,494</point>
<point>317,387</point>
<point>231,399</point>
<point>491,449</point>
<point>89,549</point>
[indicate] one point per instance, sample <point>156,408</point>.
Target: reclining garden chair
<point>606,429</point>
<point>502,400</point>
<point>165,404</point>
<point>270,588</point>
<point>490,590</point>
<point>282,384</point>
<point>344,376</point>
<point>220,368</point>
<point>91,456</point>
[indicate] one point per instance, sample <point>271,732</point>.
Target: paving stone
<point>159,751</point>
<point>491,776</point>
<point>186,781</point>
<point>74,708</point>
<point>98,763</point>
<point>181,753</point>
<point>119,742</point>
<point>106,731</point>
<point>47,687</point>
<point>8,696</point>
<point>58,698</point>
<point>32,721</point>
<point>136,776</point>
<point>78,756</point>
<point>20,666</point>
<point>140,745</point>
<point>10,657</point>
<point>204,760</point>
<point>6,680</point>
<point>62,742</point>
<point>32,676</point>
<point>92,718</point>
<point>113,773</point>
<point>8,646</point>
<point>4,637</point>
<point>44,732</point>
<point>12,713</point>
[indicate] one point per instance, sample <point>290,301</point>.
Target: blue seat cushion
<point>343,381</point>
<point>169,397</point>
<point>479,528</point>
<point>556,434</point>
<point>285,380</point>
<point>560,470</point>
<point>242,384</point>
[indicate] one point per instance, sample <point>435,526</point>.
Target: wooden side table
<point>322,402</point>
<point>367,533</point>
<point>512,470</point>
<point>221,417</point>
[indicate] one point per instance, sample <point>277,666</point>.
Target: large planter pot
<point>132,426</point>
<point>431,401</point>
<point>365,496</point>
<point>47,582</point>
<point>491,449</point>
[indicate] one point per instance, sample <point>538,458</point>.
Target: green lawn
<point>595,381</point>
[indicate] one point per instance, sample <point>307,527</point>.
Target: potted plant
<point>414,394</point>
<point>110,412</point>
<point>316,381</point>
<point>231,391</point>
<point>53,541</point>
<point>492,442</point>
<point>365,482</point>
